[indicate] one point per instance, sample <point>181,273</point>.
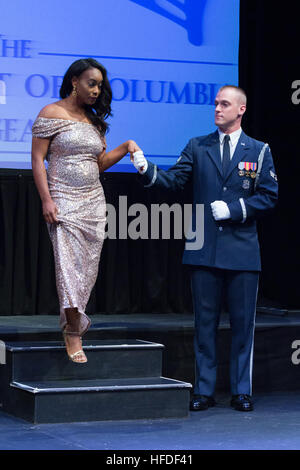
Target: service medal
<point>247,169</point>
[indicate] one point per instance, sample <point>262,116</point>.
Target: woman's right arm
<point>38,155</point>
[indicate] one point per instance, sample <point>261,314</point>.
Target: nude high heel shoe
<point>79,356</point>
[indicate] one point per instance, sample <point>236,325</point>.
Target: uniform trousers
<point>213,289</point>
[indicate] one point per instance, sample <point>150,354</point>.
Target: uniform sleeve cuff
<point>149,177</point>
<point>153,178</point>
<point>238,211</point>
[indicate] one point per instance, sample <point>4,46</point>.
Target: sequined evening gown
<point>74,185</point>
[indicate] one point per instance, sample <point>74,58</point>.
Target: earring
<point>74,92</point>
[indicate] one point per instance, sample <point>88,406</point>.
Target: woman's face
<point>88,86</point>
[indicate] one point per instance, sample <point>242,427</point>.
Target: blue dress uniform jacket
<point>229,244</point>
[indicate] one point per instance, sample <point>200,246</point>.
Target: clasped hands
<point>219,209</point>
<point>137,157</point>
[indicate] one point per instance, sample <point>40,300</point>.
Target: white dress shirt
<point>234,137</point>
<point>219,211</point>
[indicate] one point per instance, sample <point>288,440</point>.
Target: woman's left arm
<point>106,160</point>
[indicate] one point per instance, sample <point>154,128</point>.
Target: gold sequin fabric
<point>74,185</point>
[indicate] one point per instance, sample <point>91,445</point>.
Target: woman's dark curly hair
<point>101,109</point>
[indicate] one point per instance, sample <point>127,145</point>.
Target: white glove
<point>140,162</point>
<point>220,210</point>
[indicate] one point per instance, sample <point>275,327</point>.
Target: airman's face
<point>229,109</point>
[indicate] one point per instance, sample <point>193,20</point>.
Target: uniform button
<point>225,188</point>
<point>220,228</point>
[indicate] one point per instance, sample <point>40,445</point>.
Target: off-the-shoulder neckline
<point>65,120</point>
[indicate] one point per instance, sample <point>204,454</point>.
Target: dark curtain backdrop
<point>268,65</point>
<point>145,276</point>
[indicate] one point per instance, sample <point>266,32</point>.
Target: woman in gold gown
<point>70,134</point>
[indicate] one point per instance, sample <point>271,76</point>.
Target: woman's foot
<point>74,348</point>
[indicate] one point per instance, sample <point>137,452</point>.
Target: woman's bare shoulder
<point>53,111</point>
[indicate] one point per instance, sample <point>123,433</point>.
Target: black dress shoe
<point>242,402</point>
<point>201,402</point>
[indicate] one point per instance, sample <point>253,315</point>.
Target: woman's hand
<point>132,147</point>
<point>50,212</point>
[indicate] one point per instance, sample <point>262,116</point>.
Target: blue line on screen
<point>15,152</point>
<point>120,168</point>
<point>124,166</point>
<point>138,59</point>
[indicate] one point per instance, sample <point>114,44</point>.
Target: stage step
<point>106,359</point>
<point>121,380</point>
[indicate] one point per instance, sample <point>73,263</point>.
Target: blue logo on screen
<point>187,13</point>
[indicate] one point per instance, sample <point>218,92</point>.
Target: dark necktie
<point>226,154</point>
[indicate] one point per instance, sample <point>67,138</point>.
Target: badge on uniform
<point>274,176</point>
<point>246,184</point>
<point>247,169</point>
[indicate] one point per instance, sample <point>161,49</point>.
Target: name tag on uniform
<point>246,184</point>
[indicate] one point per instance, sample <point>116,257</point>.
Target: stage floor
<point>23,325</point>
<point>273,425</point>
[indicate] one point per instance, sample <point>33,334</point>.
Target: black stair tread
<point>88,345</point>
<point>92,385</point>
